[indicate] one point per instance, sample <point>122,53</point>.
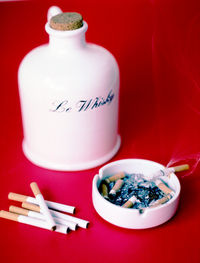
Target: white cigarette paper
<point>18,210</point>
<point>31,221</point>
<point>81,223</point>
<point>43,206</point>
<point>50,204</point>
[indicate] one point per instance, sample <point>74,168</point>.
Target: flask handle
<point>53,11</point>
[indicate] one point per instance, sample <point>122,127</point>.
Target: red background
<point>157,46</point>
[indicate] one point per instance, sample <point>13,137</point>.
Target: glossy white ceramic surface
<point>69,92</point>
<point>128,217</point>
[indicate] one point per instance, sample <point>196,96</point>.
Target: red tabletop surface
<point>157,46</point>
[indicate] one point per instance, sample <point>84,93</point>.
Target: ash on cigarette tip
<point>144,190</point>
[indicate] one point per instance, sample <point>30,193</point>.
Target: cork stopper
<point>66,21</point>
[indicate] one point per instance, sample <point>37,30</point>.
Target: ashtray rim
<point>97,197</point>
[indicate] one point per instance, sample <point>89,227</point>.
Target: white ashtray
<point>128,217</point>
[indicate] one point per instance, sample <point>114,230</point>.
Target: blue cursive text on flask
<point>82,105</point>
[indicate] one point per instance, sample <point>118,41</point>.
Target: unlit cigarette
<point>81,223</point>
<point>115,177</point>
<point>116,187</point>
<point>31,221</point>
<point>165,189</point>
<point>104,190</point>
<point>25,212</point>
<point>50,204</point>
<point>43,206</point>
<point>130,202</point>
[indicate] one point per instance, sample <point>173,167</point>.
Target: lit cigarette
<point>167,171</point>
<point>81,223</point>
<point>130,202</point>
<point>31,221</point>
<point>115,177</point>
<point>52,205</point>
<point>165,189</point>
<point>104,190</point>
<point>180,168</point>
<point>116,187</point>
<point>161,201</point>
<point>25,212</point>
<point>43,206</point>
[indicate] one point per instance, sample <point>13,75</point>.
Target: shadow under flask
<point>69,94</point>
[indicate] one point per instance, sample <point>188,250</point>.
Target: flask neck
<point>65,40</point>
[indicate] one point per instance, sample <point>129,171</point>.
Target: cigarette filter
<point>52,205</point>
<point>31,221</point>
<point>165,189</point>
<point>43,206</point>
<point>115,177</point>
<point>104,190</point>
<point>116,187</point>
<point>81,223</point>
<point>25,212</point>
<point>130,202</point>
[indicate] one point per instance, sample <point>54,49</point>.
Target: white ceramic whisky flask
<point>69,93</point>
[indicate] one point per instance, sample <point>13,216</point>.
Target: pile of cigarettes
<point>41,213</point>
<point>138,191</point>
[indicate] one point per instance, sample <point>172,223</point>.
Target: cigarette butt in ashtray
<point>130,202</point>
<point>50,204</point>
<point>30,221</point>
<point>80,222</point>
<point>158,202</point>
<point>115,177</point>
<point>63,226</point>
<point>161,201</point>
<point>116,187</point>
<point>163,187</point>
<point>104,190</point>
<point>43,206</point>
